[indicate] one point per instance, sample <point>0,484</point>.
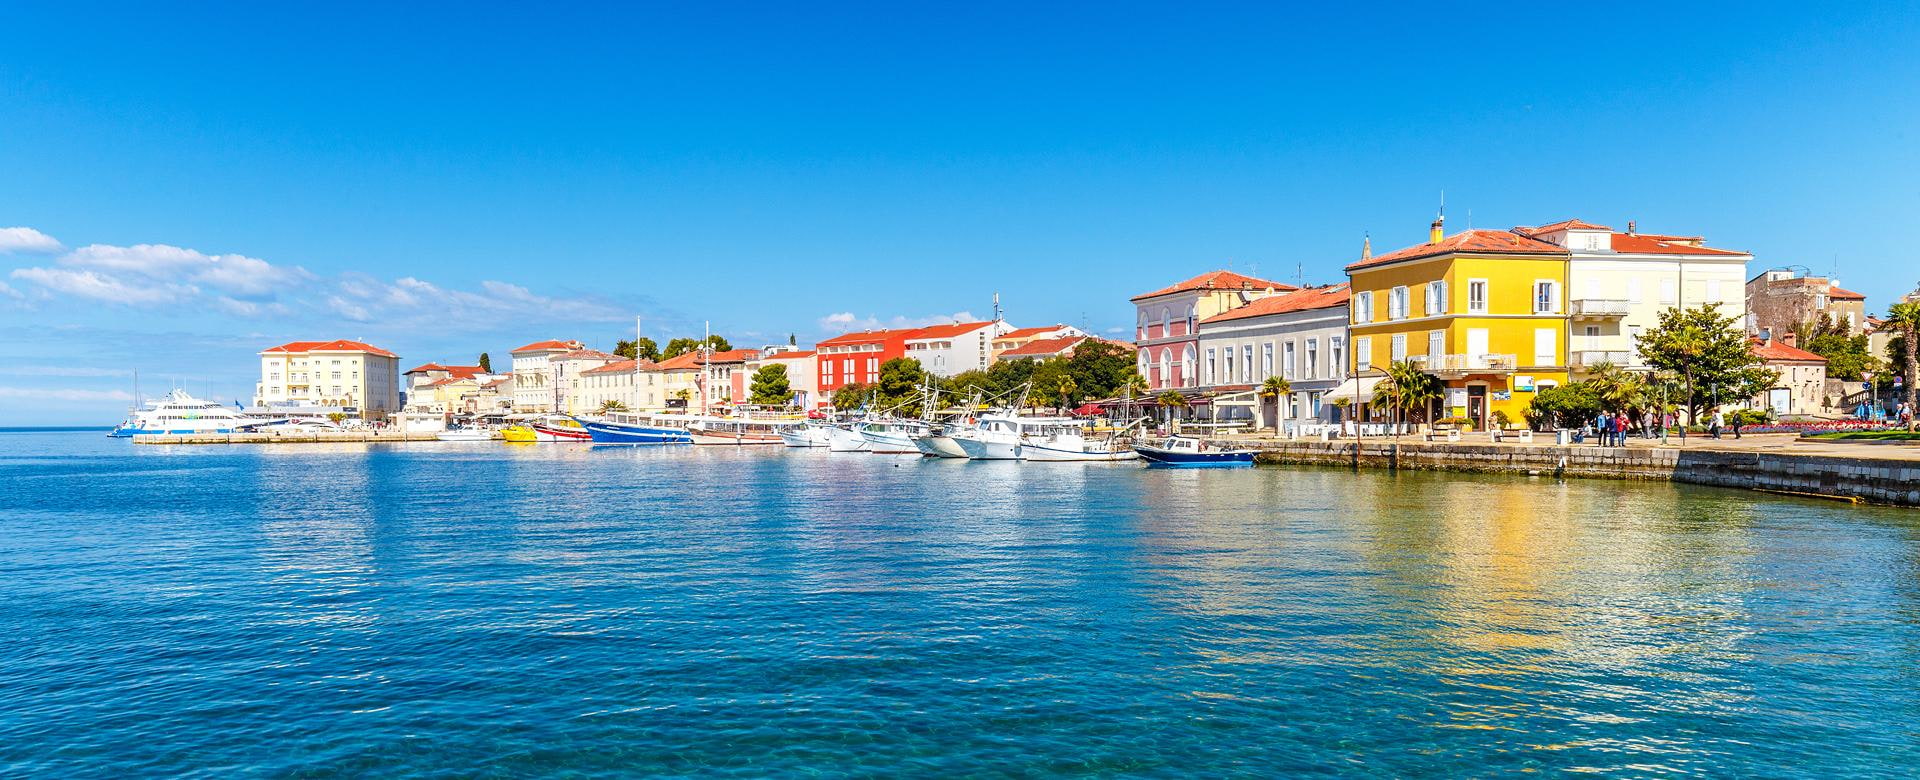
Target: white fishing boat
<point>892,436</point>
<point>466,434</point>
<point>938,441</point>
<point>844,438</point>
<point>1070,442</point>
<point>999,436</point>
<point>728,430</point>
<point>807,434</point>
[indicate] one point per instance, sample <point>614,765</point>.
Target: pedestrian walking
<point>1713,426</point>
<point>1620,430</point>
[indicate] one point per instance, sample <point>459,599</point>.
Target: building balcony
<point>1599,308</point>
<point>1588,358</point>
<point>1456,366</point>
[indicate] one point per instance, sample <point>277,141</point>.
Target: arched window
<point>1142,334</point>
<point>1192,316</point>
<point>1166,366</point>
<point>1166,321</point>
<point>1187,361</point>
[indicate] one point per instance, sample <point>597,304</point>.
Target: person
<point>1739,416</point>
<point>1713,426</point>
<point>1620,430</point>
<point>1603,428</point>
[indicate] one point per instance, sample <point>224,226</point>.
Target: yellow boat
<point>519,434</point>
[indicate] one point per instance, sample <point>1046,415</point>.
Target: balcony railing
<point>1584,358</point>
<point>1465,364</point>
<point>1599,307</point>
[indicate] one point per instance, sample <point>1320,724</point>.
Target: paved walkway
<point>1780,443</point>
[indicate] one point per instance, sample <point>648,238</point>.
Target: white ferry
<point>179,413</point>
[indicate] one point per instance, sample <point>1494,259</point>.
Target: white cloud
<point>9,292</point>
<point>847,321</point>
<point>26,239</point>
<point>103,287</point>
<point>234,275</point>
<point>64,394</point>
<point>56,370</point>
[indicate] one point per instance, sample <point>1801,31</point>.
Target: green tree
<point>770,386</point>
<point>641,349</point>
<point>1047,377</point>
<point>681,346</point>
<point>1407,387</point>
<point>1617,389</point>
<point>1066,390</point>
<point>850,396</point>
<point>1171,400</point>
<point>1710,353</point>
<point>486,364</point>
<point>1905,318</point>
<point>899,383</point>
<point>1565,406</point>
<point>610,406</point>
<point>1100,368</point>
<point>1008,375</point>
<point>966,383</point>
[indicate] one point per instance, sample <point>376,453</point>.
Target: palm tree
<point>1906,318</point>
<point>1171,400</point>
<point>1271,390</point>
<point>610,406</point>
<point>1406,385</point>
<point>1066,389</point>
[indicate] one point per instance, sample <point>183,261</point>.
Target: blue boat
<point>1188,452</point>
<point>611,432</point>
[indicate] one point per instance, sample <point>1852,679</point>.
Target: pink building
<point>1166,334</point>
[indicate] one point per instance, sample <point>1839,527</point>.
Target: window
<point>1477,296</point>
<point>1210,367</point>
<point>1633,290</point>
<point>1436,346</point>
<point>1363,307</point>
<point>1397,304</point>
<point>1227,374</point>
<point>1313,359</point>
<point>1337,354</point>
<point>1667,292</point>
<point>1363,352</point>
<point>1246,363</point>
<point>1266,359</point>
<point>1286,359</point>
<point>1166,321</point>
<point>1191,312</point>
<point>1436,298</point>
<point>1545,347</point>
<point>1713,291</point>
<point>1546,297</point>
<point>1293,405</point>
<point>1143,326</point>
<point>1187,358</point>
<point>1399,347</point>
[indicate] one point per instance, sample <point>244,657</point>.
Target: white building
<point>564,372</point>
<point>802,373</point>
<point>358,378</point>
<point>1619,283</point>
<point>533,385</point>
<point>946,350</point>
<point>1299,336</point>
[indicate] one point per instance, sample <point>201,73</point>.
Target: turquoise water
<point>453,610</point>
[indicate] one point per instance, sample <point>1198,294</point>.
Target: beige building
<point>1619,283</point>
<point>633,384</point>
<point>564,371</point>
<point>358,378</point>
<point>803,373</point>
<point>533,385</point>
<point>1782,298</point>
<point>1802,386</point>
<point>1020,337</point>
<point>422,383</point>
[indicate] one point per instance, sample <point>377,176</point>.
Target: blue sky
<point>443,180</point>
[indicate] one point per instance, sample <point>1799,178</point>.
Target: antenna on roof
<point>1469,217</point>
<point>996,306</point>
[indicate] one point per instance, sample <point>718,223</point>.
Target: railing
<point>1599,307</point>
<point>1593,357</point>
<point>1454,364</point>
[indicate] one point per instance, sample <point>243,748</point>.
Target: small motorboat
<point>807,434</point>
<point>465,434</point>
<point>845,439</point>
<point>1189,452</point>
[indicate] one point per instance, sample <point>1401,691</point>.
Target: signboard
<point>1523,383</point>
<point>1502,395</point>
<point>1457,397</point>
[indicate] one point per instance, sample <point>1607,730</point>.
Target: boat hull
<point>1041,452</point>
<point>982,449</point>
<point>842,440</point>
<point>622,433</point>
<point>733,437</point>
<point>556,433</point>
<point>465,436</point>
<point>806,436</point>
<point>939,447</point>
<point>889,443</point>
<point>1161,457</point>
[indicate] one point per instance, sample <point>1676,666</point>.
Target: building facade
<point>1801,388</point>
<point>1483,311</point>
<point>1618,284</point>
<point>801,377</point>
<point>1018,337</point>
<point>564,371</point>
<point>855,358</point>
<point>1782,298</point>
<point>533,384</point>
<point>1299,336</point>
<point>946,350</point>
<point>359,379</point>
<point>1166,332</point>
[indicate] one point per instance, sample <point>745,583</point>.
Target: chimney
<point>1789,338</point>
<point>1630,227</point>
<point>1437,232</point>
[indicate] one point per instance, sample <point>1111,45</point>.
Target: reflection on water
<point>419,609</point>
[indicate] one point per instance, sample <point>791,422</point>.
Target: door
<point>1477,406</point>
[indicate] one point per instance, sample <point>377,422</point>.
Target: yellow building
<point>1484,311</point>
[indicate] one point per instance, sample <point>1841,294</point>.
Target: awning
<point>1088,410</point>
<point>1363,386</point>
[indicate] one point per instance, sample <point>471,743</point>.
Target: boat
<point>844,438</point>
<point>613,431</point>
<point>999,436</point>
<point>1070,442</point>
<point>892,436</point>
<point>465,434</point>
<point>1189,452</point>
<point>726,430</point>
<point>545,428</point>
<point>179,413</point>
<point>938,441</point>
<point>806,435</point>
<point>519,434</point>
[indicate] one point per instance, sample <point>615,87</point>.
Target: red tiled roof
<point>550,346</point>
<point>1565,224</point>
<point>791,355</point>
<point>946,331</point>
<point>864,337</point>
<point>1299,300</point>
<point>1491,242</point>
<point>1217,280</point>
<point>1022,333</point>
<point>1644,244</point>
<point>1777,350</point>
<point>454,370</point>
<point>1844,294</point>
<point>340,345</point>
<point>621,367</point>
<point>680,361</point>
<point>450,380</point>
<point>1044,347</point>
<point>586,354</point>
